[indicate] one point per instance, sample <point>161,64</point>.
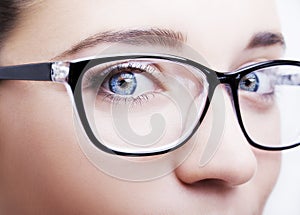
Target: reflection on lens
<point>143,105</point>
<point>269,111</point>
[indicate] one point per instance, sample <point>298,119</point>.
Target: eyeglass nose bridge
<point>228,82</point>
<point>230,91</point>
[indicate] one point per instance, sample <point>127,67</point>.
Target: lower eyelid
<point>255,100</point>
<point>118,99</point>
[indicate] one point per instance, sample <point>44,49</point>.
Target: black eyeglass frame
<point>72,74</point>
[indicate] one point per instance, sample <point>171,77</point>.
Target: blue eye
<point>123,83</point>
<point>249,82</point>
<point>262,82</point>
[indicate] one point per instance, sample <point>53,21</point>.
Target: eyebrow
<point>153,36</point>
<point>264,39</point>
<point>162,37</point>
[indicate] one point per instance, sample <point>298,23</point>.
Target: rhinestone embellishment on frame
<point>60,71</point>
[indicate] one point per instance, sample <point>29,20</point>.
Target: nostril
<point>215,187</point>
<point>213,184</point>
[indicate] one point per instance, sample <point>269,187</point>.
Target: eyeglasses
<point>149,104</point>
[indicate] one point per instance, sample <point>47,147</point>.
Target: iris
<point>249,82</point>
<point>123,83</point>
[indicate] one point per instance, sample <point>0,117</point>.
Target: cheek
<point>41,165</point>
<point>268,169</point>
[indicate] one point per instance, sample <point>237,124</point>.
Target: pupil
<point>123,83</point>
<point>250,83</point>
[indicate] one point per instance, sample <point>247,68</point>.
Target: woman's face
<point>44,171</point>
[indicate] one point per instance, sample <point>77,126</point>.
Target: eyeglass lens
<point>144,105</point>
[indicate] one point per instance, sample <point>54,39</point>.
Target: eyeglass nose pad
<point>217,105</point>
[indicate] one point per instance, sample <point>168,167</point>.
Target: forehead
<point>50,27</point>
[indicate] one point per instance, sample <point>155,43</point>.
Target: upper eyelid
<point>111,67</point>
<point>250,64</point>
<point>259,54</point>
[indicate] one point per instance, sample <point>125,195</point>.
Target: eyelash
<point>139,100</point>
<point>113,68</point>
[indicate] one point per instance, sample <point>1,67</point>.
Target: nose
<point>233,163</point>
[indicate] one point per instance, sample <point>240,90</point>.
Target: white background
<point>285,199</point>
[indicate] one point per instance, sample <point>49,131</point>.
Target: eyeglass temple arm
<point>32,72</point>
<point>290,79</point>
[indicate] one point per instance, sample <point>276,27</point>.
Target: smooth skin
<point>42,168</point>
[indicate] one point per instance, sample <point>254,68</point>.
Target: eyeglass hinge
<point>60,71</point>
